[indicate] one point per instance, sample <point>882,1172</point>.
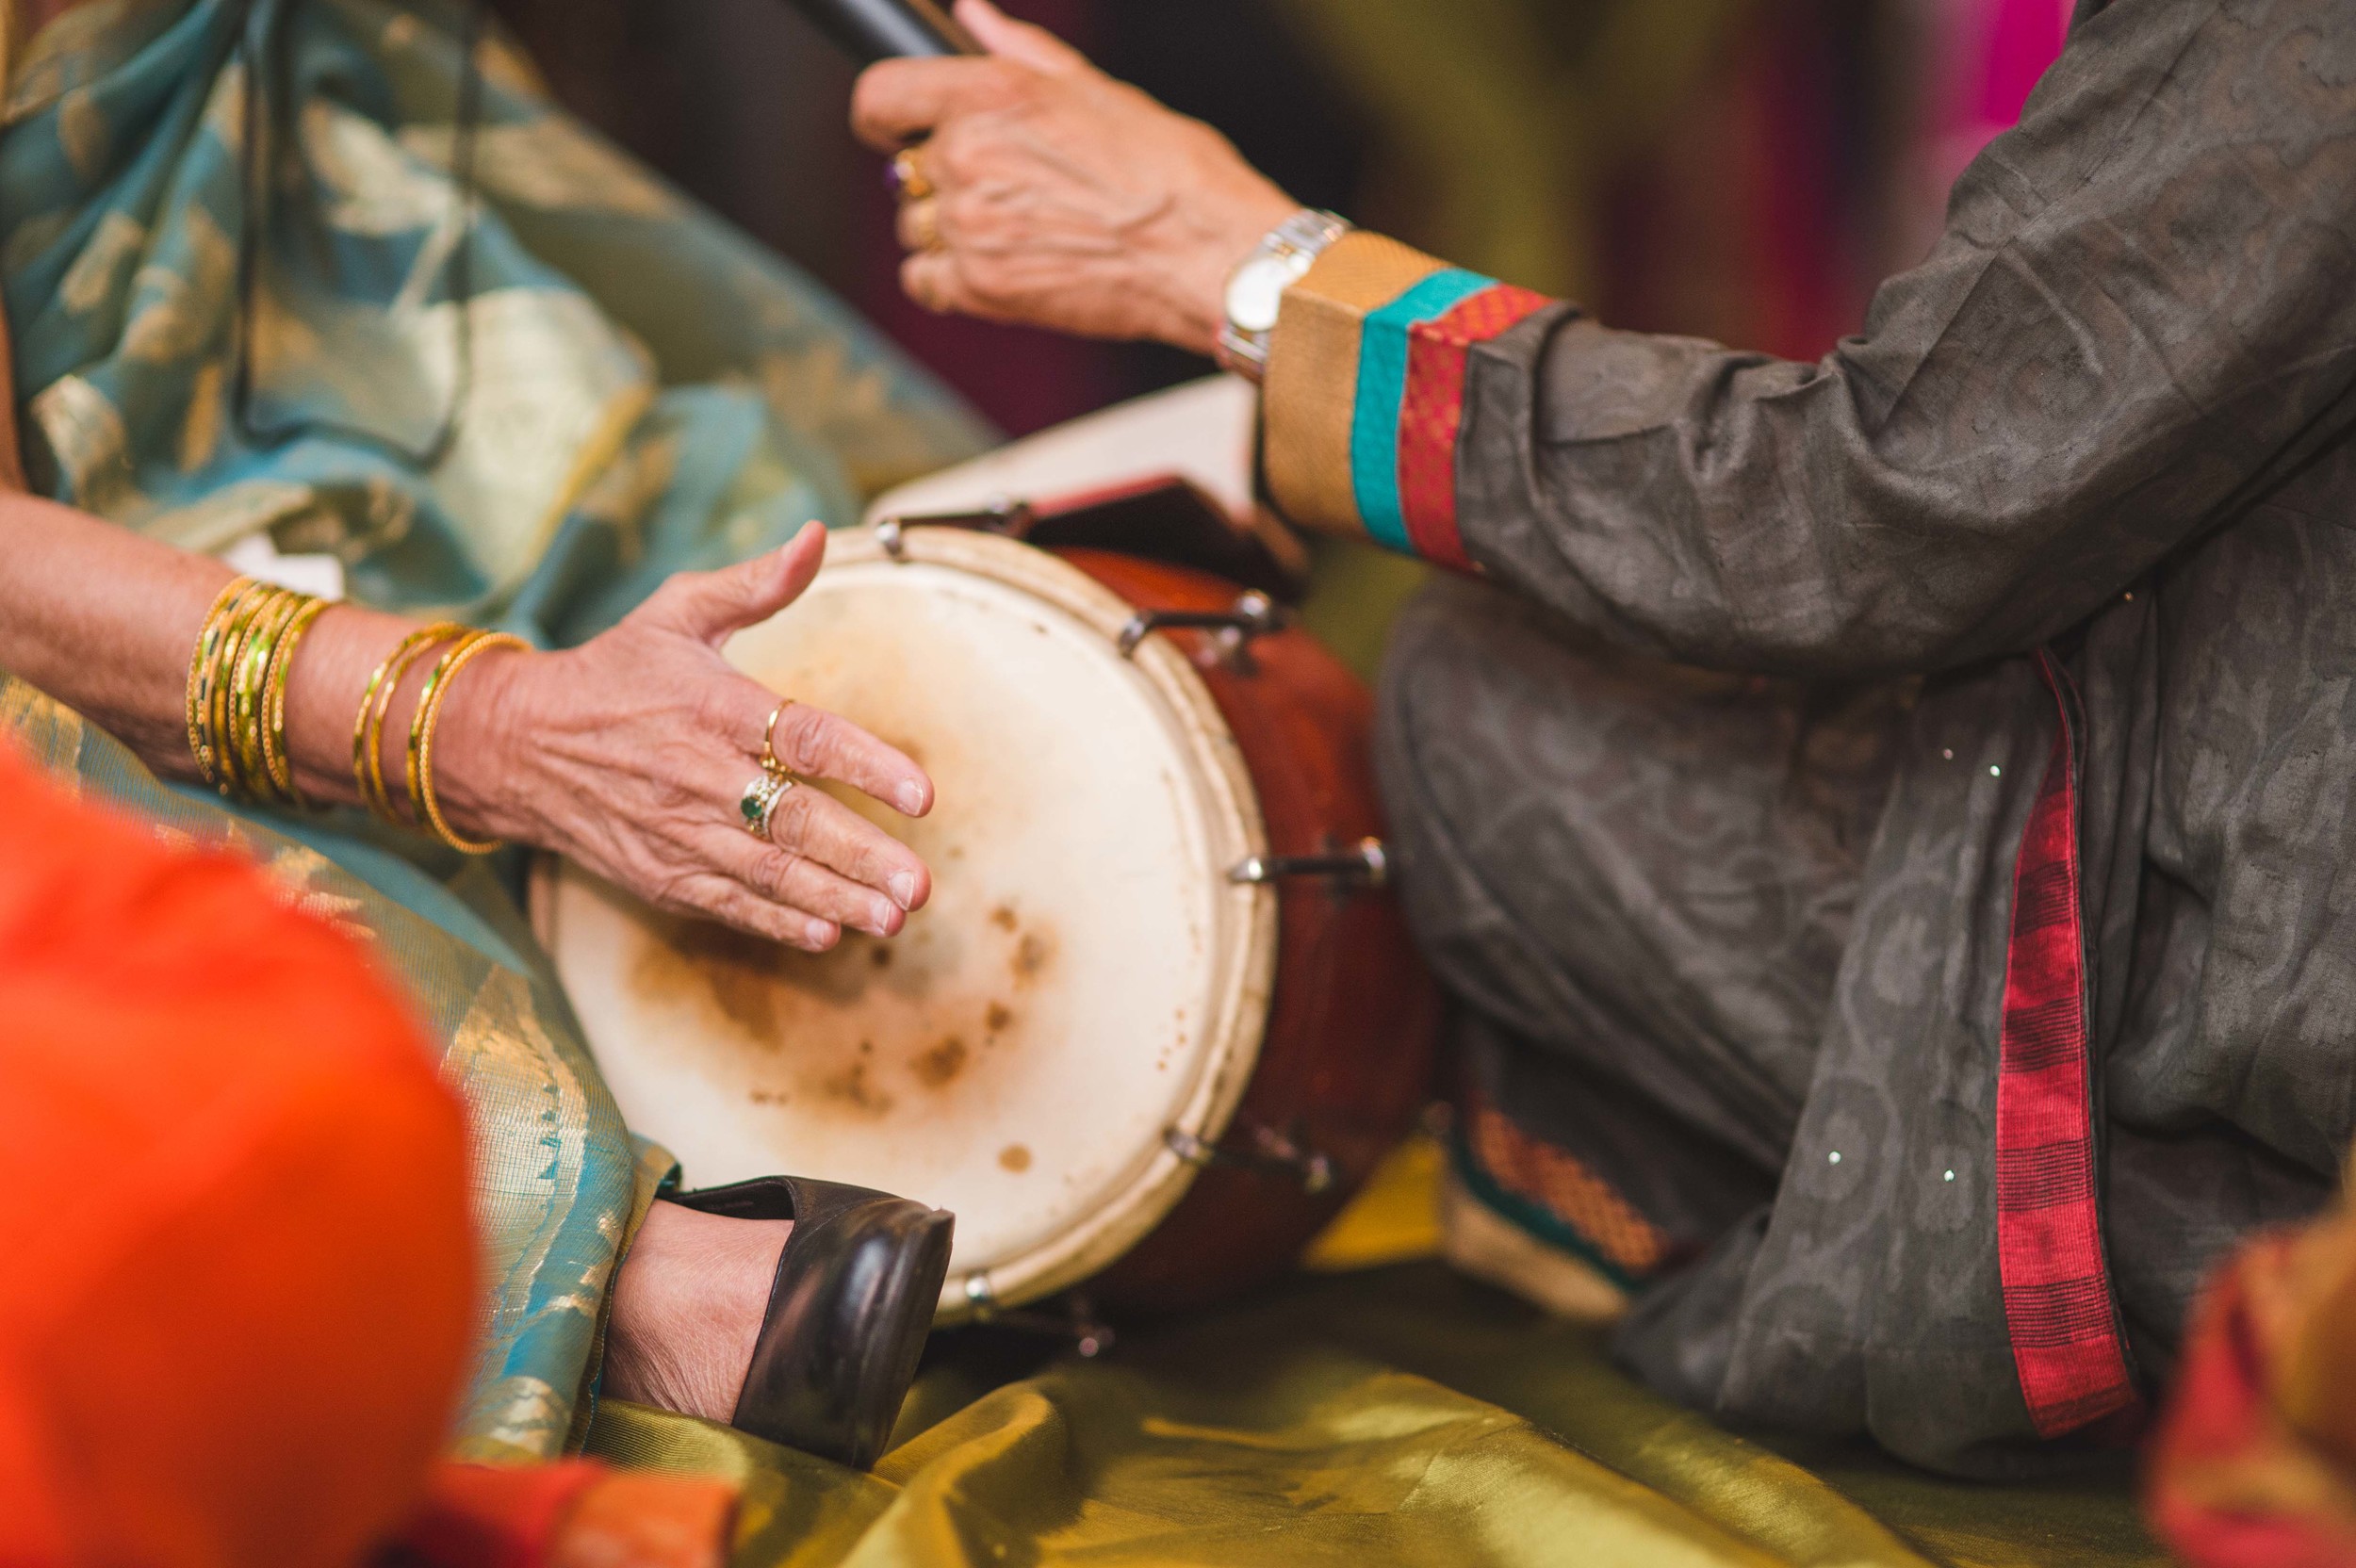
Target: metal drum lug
<point>1365,864</point>
<point>1253,615</point>
<point>1091,1336</point>
<point>1001,514</point>
<point>1270,1152</point>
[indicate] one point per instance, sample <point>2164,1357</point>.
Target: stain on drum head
<point>1083,978</point>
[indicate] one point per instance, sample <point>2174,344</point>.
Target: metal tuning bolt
<point>1268,1151</point>
<point>1188,1147</point>
<point>1091,1336</point>
<point>1004,515</point>
<point>1253,615</point>
<point>1365,864</point>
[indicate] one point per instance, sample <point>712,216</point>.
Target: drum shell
<point>1348,1060</point>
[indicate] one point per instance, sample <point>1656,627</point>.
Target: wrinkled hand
<point>630,754</point>
<point>1063,198</point>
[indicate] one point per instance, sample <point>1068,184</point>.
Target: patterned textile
<point>1367,391</point>
<point>642,389</point>
<point>2099,432</point>
<point>637,390</point>
<point>1556,1194</point>
<point>2058,1309</point>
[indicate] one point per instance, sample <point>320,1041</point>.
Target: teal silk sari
<point>525,411</point>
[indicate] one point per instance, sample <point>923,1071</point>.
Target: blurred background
<point>1739,169</point>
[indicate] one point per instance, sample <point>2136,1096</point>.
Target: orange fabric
<point>237,1284</point>
<point>650,1521</point>
<point>574,1514</point>
<point>2254,1466</point>
<point>486,1516</point>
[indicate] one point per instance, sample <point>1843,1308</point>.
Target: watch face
<point>1258,288</point>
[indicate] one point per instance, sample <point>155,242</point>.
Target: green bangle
<point>277,758</point>
<point>220,706</point>
<point>247,713</point>
<point>203,673</point>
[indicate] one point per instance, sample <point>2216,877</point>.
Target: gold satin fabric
<point>1397,1416</point>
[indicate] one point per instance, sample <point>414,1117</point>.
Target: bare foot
<point>687,1308</point>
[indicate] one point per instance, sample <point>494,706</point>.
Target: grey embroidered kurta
<point>2021,792</point>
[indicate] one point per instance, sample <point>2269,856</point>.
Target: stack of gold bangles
<point>237,705</point>
<point>238,691</point>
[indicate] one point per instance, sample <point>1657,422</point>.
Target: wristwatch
<point>1256,288</point>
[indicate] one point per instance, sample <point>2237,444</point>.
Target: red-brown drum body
<point>1347,1062</point>
<point>1160,1020</point>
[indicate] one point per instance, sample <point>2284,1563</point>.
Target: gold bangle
<point>367,726</point>
<point>277,756</point>
<point>246,711</point>
<point>221,716</point>
<point>429,717</point>
<point>200,658</point>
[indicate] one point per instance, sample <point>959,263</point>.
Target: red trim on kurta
<point>1432,412</point>
<point>2066,1341</point>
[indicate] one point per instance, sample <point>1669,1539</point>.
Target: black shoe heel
<point>854,1299</point>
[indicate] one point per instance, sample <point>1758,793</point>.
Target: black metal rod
<point>872,30</point>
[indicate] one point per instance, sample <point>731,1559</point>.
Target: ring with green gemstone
<point>760,800</point>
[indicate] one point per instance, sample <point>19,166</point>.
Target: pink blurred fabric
<point>1988,57</point>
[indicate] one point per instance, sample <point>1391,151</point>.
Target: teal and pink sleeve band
<point>1366,392</point>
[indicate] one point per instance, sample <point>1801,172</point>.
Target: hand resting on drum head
<point>631,754</point>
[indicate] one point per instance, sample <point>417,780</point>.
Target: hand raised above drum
<point>631,754</point>
<point>1048,193</point>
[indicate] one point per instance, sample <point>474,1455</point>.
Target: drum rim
<point>1244,983</point>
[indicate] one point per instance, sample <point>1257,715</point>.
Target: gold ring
<point>769,762</point>
<point>924,218</point>
<point>908,174</point>
<point>759,801</point>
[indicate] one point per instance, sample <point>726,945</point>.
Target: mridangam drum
<point>1157,1020</point>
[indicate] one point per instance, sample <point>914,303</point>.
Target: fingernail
<point>904,890</point>
<point>911,799</point>
<point>821,933</point>
<point>882,914</point>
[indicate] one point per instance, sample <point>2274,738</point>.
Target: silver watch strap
<point>1306,233</point>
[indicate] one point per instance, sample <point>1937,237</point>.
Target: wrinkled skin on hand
<point>1062,198</point>
<point>630,753</point>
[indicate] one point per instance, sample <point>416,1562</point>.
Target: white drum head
<point>1085,981</point>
